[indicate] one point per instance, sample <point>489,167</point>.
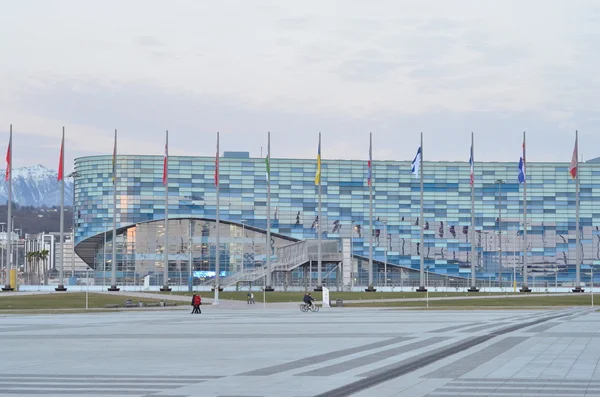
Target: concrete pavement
<point>336,352</point>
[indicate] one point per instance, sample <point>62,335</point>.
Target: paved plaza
<point>252,352</point>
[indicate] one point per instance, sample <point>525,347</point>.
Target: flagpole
<point>218,242</point>
<point>268,275</point>
<point>61,270</point>
<point>319,223</point>
<point>577,252</point>
<point>525,288</point>
<point>370,286</point>
<point>423,287</point>
<point>113,262</point>
<point>165,287</point>
<point>7,286</point>
<point>473,250</point>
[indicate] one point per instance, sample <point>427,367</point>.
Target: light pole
<point>243,222</point>
<point>2,229</point>
<point>499,182</point>
<point>592,282</point>
<point>351,252</point>
<point>73,252</point>
<point>385,255</point>
<point>427,285</point>
<point>190,253</point>
<point>515,265</point>
<point>104,262</point>
<point>73,175</point>
<point>18,243</point>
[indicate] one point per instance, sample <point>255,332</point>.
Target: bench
<point>152,304</point>
<point>111,306</point>
<point>129,303</point>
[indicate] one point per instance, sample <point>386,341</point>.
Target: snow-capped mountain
<point>35,186</point>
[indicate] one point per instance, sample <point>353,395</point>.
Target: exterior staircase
<point>287,258</point>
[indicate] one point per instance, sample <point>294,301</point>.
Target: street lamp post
<point>351,252</point>
<point>427,285</point>
<point>499,182</point>
<point>2,229</point>
<point>515,265</point>
<point>17,255</point>
<point>243,222</point>
<point>385,255</point>
<point>190,253</point>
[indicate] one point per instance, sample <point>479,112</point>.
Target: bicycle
<point>306,308</point>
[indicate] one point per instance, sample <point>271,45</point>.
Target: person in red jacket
<point>196,302</point>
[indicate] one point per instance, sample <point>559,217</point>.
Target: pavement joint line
<point>306,361</point>
<point>372,358</point>
<point>413,365</point>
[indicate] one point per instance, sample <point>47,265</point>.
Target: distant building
<point>39,271</point>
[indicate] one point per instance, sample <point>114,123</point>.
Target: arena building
<point>345,220</point>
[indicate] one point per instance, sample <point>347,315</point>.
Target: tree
<point>30,259</point>
<point>44,258</point>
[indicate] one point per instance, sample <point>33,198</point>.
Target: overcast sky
<point>345,68</point>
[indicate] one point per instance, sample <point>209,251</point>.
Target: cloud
<point>445,68</point>
<point>143,112</point>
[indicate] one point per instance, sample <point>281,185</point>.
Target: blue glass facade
<point>345,208</point>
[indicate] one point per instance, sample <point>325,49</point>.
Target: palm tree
<point>43,255</point>
<point>30,258</point>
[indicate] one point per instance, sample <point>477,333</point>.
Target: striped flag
<point>166,160</point>
<point>268,167</point>
<point>217,163</point>
<point>370,164</point>
<point>9,157</point>
<point>472,165</point>
<point>522,174</point>
<point>416,163</point>
<point>114,161</point>
<point>318,174</point>
<point>61,159</point>
<point>573,166</point>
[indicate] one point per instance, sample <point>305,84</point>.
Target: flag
<point>217,169</point>
<point>61,160</point>
<point>573,166</point>
<point>370,165</point>
<point>114,160</point>
<point>416,163</point>
<point>8,158</point>
<point>318,174</point>
<point>268,168</point>
<point>165,163</point>
<point>472,165</point>
<point>522,165</point>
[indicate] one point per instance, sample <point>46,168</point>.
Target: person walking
<point>197,303</point>
<point>193,304</point>
<point>252,298</point>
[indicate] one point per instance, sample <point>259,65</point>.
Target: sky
<point>343,68</point>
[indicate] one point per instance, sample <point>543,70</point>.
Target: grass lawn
<point>510,302</point>
<point>63,301</point>
<point>297,296</point>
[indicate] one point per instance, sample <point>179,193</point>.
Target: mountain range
<point>36,186</point>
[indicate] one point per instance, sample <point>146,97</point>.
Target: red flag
<point>61,160</point>
<point>573,166</point>
<point>8,158</point>
<point>165,163</point>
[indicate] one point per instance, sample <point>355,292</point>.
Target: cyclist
<point>308,299</point>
